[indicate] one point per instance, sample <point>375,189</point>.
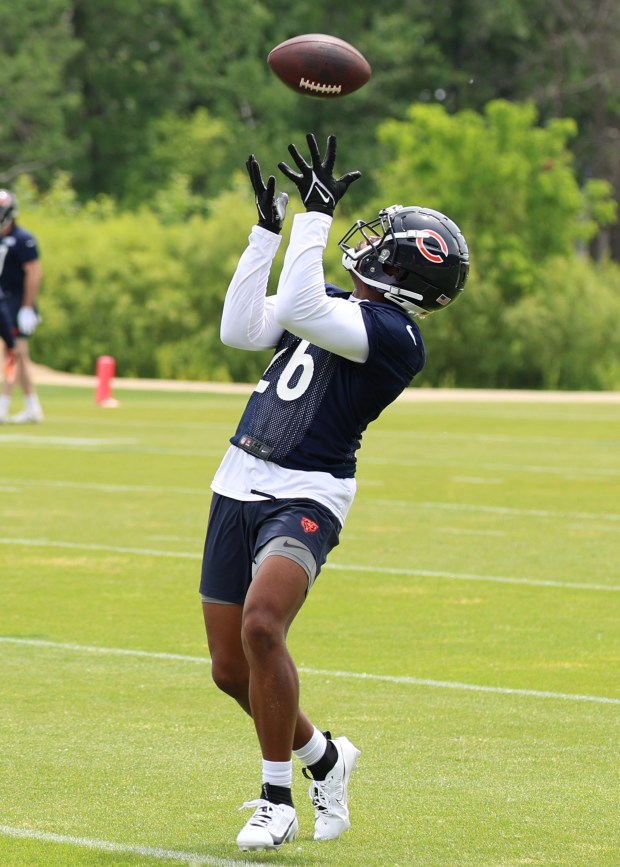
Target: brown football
<point>316,64</point>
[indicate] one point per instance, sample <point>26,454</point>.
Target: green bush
<point>146,292</point>
<point>565,334</point>
<point>147,285</point>
<point>151,294</point>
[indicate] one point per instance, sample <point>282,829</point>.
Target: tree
<point>142,63</point>
<point>510,183</point>
<point>36,43</point>
<point>579,48</point>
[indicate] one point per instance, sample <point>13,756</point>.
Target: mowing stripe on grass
<point>107,488</point>
<point>494,510</point>
<point>345,567</point>
<point>506,468</point>
<point>131,446</point>
<point>191,858</point>
<point>124,447</point>
<point>108,549</point>
<point>408,504</point>
<point>321,672</point>
<point>69,442</point>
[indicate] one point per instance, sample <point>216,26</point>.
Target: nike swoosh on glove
<point>319,189</point>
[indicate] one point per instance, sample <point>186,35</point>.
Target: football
<point>316,64</point>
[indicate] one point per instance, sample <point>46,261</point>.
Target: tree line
<point>503,114</point>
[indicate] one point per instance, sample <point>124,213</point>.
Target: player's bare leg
<point>275,596</point>
<point>24,374</point>
<point>229,666</point>
<point>250,662</point>
<point>32,411</point>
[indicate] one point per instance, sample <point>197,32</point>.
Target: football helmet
<point>416,257</point>
<point>8,208</point>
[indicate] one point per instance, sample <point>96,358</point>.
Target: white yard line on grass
<point>321,672</point>
<point>190,858</point>
<point>464,576</point>
<point>345,567</point>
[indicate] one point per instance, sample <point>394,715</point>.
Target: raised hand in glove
<point>27,320</point>
<point>271,208</point>
<point>319,189</point>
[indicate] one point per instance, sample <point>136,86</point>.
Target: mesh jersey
<point>311,407</point>
<point>6,325</point>
<point>16,248</point>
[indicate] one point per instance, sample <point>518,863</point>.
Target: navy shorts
<point>13,304</point>
<point>238,529</point>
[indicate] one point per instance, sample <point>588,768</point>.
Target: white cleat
<point>28,416</point>
<point>270,826</point>
<point>329,796</point>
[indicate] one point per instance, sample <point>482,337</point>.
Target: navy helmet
<point>416,257</point>
<point>8,208</point>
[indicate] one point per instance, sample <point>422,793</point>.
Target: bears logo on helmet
<point>416,257</point>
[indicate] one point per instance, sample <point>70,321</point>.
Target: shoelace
<point>323,792</point>
<point>263,814</point>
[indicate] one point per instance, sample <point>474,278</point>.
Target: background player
<point>286,483</point>
<point>20,280</point>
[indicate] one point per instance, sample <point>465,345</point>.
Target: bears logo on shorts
<point>309,526</point>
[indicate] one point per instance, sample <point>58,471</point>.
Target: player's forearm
<point>248,321</point>
<point>32,283</point>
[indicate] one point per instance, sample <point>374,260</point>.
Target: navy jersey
<point>6,323</point>
<point>311,407</point>
<point>16,248</point>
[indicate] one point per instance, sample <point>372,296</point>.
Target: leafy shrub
<point>147,285</point>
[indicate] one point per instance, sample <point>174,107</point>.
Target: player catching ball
<point>283,490</point>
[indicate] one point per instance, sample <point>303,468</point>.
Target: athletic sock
<point>319,754</point>
<point>5,401</point>
<point>278,773</point>
<point>321,769</point>
<point>277,794</point>
<point>32,401</point>
<point>314,749</point>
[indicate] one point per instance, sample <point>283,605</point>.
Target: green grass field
<point>465,635</point>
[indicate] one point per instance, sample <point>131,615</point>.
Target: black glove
<point>271,208</point>
<point>319,189</point>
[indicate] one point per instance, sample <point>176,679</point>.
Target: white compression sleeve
<point>248,316</point>
<point>302,306</point>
